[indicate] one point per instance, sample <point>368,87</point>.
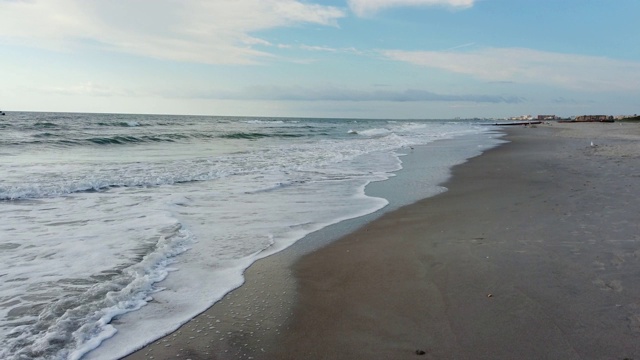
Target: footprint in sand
<point>618,260</point>
<point>613,285</point>
<point>599,265</point>
<point>634,322</point>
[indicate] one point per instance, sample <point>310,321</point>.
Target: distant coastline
<point>631,119</point>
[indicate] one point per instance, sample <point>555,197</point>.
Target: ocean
<point>116,229</point>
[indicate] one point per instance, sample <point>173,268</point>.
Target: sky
<point>397,59</point>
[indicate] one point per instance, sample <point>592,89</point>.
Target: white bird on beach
<point>592,144</point>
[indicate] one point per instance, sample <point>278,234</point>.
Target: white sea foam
<point>375,132</point>
<point>67,280</point>
<point>74,259</point>
<point>261,122</point>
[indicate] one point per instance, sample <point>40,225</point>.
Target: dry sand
<point>533,253</point>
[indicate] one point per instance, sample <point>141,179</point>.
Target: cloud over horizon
<point>528,66</point>
<point>197,31</point>
<point>299,93</point>
<point>370,7</point>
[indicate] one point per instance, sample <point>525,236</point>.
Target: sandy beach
<point>532,253</point>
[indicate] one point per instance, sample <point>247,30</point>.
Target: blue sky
<point>322,58</point>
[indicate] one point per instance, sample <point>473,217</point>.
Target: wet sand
<point>533,253</point>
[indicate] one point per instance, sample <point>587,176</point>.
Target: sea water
<point>116,229</point>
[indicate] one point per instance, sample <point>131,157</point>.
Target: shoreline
<point>506,264</point>
<point>268,293</point>
<point>531,254</point>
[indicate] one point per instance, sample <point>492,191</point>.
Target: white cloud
<point>369,7</point>
<point>569,71</point>
<point>318,48</point>
<point>202,31</point>
<point>87,89</point>
<point>345,50</point>
<point>342,94</point>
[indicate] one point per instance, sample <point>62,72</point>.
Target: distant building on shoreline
<point>620,117</point>
<point>576,118</point>
<point>521,118</point>
<point>594,118</point>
